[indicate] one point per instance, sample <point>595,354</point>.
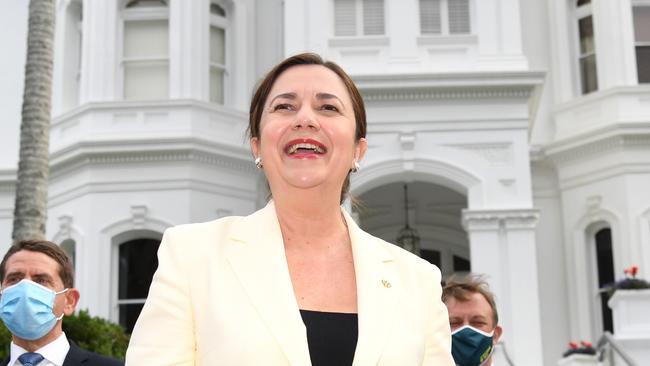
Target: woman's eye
<point>329,107</point>
<point>283,106</point>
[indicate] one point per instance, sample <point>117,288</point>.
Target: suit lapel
<point>377,294</point>
<point>76,356</point>
<point>256,254</point>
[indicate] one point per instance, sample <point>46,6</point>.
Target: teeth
<point>313,147</point>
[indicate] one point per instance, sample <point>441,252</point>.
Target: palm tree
<point>30,211</point>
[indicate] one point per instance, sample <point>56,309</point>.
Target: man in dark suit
<point>37,291</point>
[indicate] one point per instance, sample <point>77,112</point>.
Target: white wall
<point>13,41</point>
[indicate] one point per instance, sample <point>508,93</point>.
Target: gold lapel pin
<point>386,283</point>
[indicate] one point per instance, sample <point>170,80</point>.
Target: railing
<point>607,342</point>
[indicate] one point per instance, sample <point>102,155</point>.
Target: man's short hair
<point>461,288</point>
<point>66,272</point>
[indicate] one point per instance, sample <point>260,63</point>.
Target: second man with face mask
<point>473,319</point>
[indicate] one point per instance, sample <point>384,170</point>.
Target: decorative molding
<point>449,93</point>
<point>407,141</point>
<point>65,226</point>
<point>138,216</point>
<point>489,220</point>
<point>354,42</point>
<point>613,138</point>
<point>495,153</point>
<point>82,158</point>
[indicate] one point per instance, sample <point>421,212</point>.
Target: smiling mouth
<point>305,147</point>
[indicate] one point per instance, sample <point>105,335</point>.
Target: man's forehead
<point>30,262</point>
<point>475,305</point>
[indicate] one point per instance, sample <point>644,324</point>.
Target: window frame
<point>359,23</point>
<point>638,4</point>
<point>444,21</point>
<point>581,12</point>
<point>134,15</point>
<point>224,23</point>
<point>134,237</point>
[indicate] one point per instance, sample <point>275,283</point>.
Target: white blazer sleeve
<point>438,341</point>
<point>164,333</point>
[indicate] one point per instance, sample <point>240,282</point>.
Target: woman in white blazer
<point>297,282</point>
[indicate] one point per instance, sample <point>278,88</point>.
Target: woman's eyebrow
<point>321,96</point>
<point>289,95</point>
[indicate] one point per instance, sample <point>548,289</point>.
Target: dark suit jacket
<point>80,357</point>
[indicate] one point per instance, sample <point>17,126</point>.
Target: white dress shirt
<point>54,352</point>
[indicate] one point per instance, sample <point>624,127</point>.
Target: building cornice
<point>615,137</point>
<point>425,86</point>
<point>86,153</point>
<point>489,220</point>
<point>139,106</point>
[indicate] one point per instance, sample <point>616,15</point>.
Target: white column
<point>502,247</point>
<point>188,49</point>
<point>614,36</point>
<point>100,64</point>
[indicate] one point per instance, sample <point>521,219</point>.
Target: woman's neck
<point>312,221</point>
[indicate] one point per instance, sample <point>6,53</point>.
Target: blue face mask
<point>471,346</point>
<point>26,309</point>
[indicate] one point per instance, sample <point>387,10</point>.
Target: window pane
<point>216,85</point>
<point>129,314</point>
<point>605,264</point>
<point>643,63</point>
<point>70,248</point>
<point>146,3</point>
<point>461,264</point>
<point>345,20</point>
<point>588,74</point>
<point>146,81</point>
<point>373,17</point>
<point>586,30</point>
<point>430,17</point>
<point>147,38</point>
<point>217,9</point>
<point>458,16</point>
<point>217,45</point>
<point>432,256</point>
<point>137,263</point>
<point>642,23</point>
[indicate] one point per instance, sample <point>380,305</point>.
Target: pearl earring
<point>356,167</point>
<point>258,162</point>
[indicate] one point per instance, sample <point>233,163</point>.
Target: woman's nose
<point>305,119</point>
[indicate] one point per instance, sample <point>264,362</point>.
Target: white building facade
<point>521,128</point>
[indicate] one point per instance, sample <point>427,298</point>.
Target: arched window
<point>444,17</point>
<point>586,47</point>
<point>219,25</point>
<point>605,268</point>
<point>145,50</point>
<point>137,262</point>
<point>70,248</point>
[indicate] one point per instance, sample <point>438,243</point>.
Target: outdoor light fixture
<point>408,237</point>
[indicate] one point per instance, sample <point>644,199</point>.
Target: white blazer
<point>222,295</point>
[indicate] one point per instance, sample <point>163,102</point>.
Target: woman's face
<point>307,131</point>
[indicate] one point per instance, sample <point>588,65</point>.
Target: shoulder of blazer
<point>78,356</point>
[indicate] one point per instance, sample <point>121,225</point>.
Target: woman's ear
<point>360,149</point>
<point>255,148</point>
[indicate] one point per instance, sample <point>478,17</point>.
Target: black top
<point>332,337</point>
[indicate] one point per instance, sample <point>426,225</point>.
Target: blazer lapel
<point>256,254</point>
<point>377,294</point>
